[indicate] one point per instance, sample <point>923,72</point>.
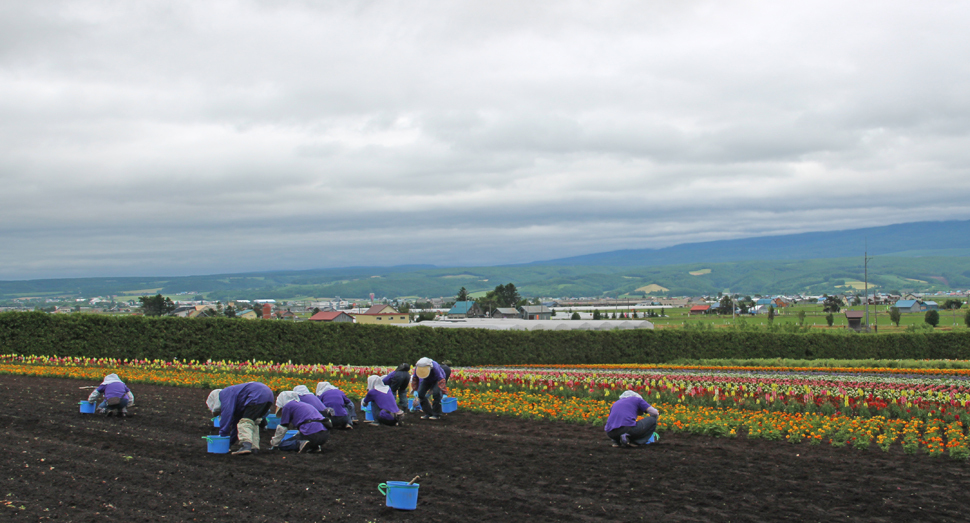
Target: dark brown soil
<point>58,464</point>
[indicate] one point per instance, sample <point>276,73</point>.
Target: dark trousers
<point>388,422</point>
<point>118,404</point>
<point>423,390</point>
<point>402,397</point>
<point>340,422</point>
<point>638,433</point>
<point>317,439</point>
<point>255,411</point>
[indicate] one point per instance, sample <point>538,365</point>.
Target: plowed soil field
<point>57,464</point>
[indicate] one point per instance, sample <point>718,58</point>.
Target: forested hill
<point>924,256</point>
<point>944,238</point>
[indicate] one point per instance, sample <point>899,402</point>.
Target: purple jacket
<point>438,376</point>
<point>303,417</point>
<point>114,390</point>
<point>383,404</point>
<point>335,399</point>
<point>624,412</point>
<point>397,380</point>
<point>234,400</point>
<point>313,401</point>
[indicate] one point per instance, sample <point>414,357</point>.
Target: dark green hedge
<point>168,338</point>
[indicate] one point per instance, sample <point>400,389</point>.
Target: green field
<point>878,316</point>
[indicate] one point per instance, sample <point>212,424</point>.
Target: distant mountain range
<point>921,256</point>
<point>943,238</point>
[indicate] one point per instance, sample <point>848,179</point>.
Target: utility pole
<point>866,266</point>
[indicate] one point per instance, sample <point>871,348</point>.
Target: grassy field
<point>878,316</point>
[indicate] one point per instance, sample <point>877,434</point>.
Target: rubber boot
<point>245,448</point>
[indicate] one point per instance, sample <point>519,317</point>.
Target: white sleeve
<point>278,436</point>
<point>131,398</point>
<point>94,395</point>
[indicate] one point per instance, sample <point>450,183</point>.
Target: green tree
<point>771,313</point>
<point>829,319</point>
<point>832,304</point>
<point>502,296</point>
<point>575,316</point>
<point>156,305</point>
<point>462,294</point>
<point>230,312</point>
<point>801,317</point>
<point>966,318</point>
<point>952,303</point>
<point>258,309</point>
<point>932,318</point>
<point>596,314</point>
<point>726,306</point>
<point>895,316</point>
<point>508,295</point>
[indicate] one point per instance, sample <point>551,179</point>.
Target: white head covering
<point>285,397</point>
<point>324,386</point>
<point>213,401</point>
<point>630,394</point>
<point>301,390</point>
<point>375,382</point>
<point>424,362</point>
<point>111,378</point>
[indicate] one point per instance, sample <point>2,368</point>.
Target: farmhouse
<point>247,314</point>
<point>381,315</point>
<point>334,316</point>
<point>465,309</point>
<point>908,306</point>
<point>536,312</point>
<point>699,309</point>
<point>505,312</point>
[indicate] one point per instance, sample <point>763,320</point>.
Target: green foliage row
<point>227,339</point>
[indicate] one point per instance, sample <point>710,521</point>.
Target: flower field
<point>921,410</point>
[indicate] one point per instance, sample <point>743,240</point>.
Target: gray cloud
<point>188,138</point>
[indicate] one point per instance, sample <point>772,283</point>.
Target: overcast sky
<point>174,138</point>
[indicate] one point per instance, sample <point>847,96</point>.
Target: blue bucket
<point>272,421</point>
<point>449,405</point>
<point>400,495</point>
<point>87,407</point>
<point>410,403</point>
<point>368,413</point>
<point>215,421</point>
<point>217,444</point>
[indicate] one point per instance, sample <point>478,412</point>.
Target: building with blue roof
<point>908,306</point>
<point>465,309</point>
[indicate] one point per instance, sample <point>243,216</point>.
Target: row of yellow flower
<point>934,437</point>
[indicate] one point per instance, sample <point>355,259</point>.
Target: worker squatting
<point>242,408</point>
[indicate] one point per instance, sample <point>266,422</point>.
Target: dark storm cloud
<point>175,138</point>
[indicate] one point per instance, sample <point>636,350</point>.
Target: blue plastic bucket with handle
<point>87,407</point>
<point>215,421</point>
<point>449,405</point>
<point>400,494</point>
<point>272,421</point>
<point>369,413</point>
<point>217,444</point>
